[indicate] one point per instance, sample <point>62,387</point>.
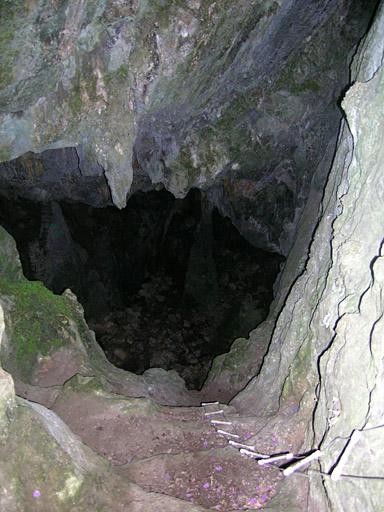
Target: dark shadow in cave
<point>164,282</point>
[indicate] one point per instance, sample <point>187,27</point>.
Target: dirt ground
<point>218,479</point>
<point>172,451</point>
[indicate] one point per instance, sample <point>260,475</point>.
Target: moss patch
<point>75,103</point>
<point>38,318</point>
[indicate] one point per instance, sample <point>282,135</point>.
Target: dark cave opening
<point>164,282</point>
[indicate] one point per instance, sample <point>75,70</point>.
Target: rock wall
<point>324,366</point>
<point>45,343</point>
<point>186,93</point>
<point>322,377</point>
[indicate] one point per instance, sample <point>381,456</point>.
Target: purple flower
<point>36,493</point>
<point>252,501</point>
<point>205,444</point>
<point>218,467</point>
<point>206,485</point>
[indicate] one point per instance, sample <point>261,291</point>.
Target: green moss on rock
<point>119,75</point>
<point>75,103</point>
<point>38,318</point>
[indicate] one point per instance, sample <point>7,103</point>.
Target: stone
<point>310,375</point>
<point>168,93</point>
<point>332,319</point>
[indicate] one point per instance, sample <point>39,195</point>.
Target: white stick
<point>219,422</point>
<point>203,404</point>
<point>336,473</point>
<point>276,458</point>
<point>213,412</point>
<point>241,445</point>
<point>224,433</point>
<point>294,467</point>
<point>254,455</point>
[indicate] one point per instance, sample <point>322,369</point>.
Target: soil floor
<point>174,451</point>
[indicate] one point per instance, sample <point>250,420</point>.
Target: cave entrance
<point>164,282</point>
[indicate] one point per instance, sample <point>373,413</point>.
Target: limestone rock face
<point>185,93</point>
<point>176,91</point>
<point>55,175</point>
<point>326,353</point>
<point>46,467</point>
<point>7,392</point>
<point>46,342</point>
